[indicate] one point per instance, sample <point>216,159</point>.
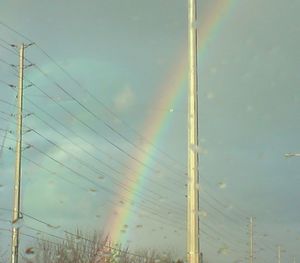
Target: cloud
<point>124,99</point>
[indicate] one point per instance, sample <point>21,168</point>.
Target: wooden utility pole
<point>193,244</point>
<point>17,186</point>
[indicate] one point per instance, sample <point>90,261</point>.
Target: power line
<point>83,88</point>
<point>76,134</point>
<point>86,125</point>
<point>91,155</point>
<point>103,104</point>
<point>6,42</point>
<point>174,209</point>
<point>97,171</point>
<point>47,224</point>
<point>72,97</point>
<point>31,102</point>
<point>94,115</point>
<point>218,233</point>
<point>6,63</point>
<point>218,210</point>
<point>84,189</point>
<point>6,83</point>
<point>83,238</point>
<point>8,49</point>
<point>97,117</point>
<point>76,173</point>
<point>157,217</point>
<point>11,104</point>
<point>62,68</point>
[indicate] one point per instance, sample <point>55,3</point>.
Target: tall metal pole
<point>17,186</point>
<point>294,260</point>
<point>193,244</point>
<point>279,254</point>
<point>251,240</point>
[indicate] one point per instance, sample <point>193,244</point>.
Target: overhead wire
<point>86,90</point>
<point>97,117</point>
<point>221,212</point>
<point>97,171</point>
<point>153,215</point>
<point>103,104</point>
<point>55,82</point>
<point>47,224</point>
<point>169,207</point>
<point>81,137</point>
<point>65,72</point>
<point>64,231</point>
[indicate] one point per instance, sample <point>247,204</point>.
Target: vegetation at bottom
<point>83,248</point>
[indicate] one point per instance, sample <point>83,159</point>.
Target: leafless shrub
<point>83,248</point>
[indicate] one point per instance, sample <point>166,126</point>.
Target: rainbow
<point>155,124</point>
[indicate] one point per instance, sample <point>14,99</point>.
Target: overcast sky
<point>124,53</point>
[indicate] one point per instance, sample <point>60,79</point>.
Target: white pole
<point>193,244</point>
<point>251,239</point>
<point>17,185</point>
